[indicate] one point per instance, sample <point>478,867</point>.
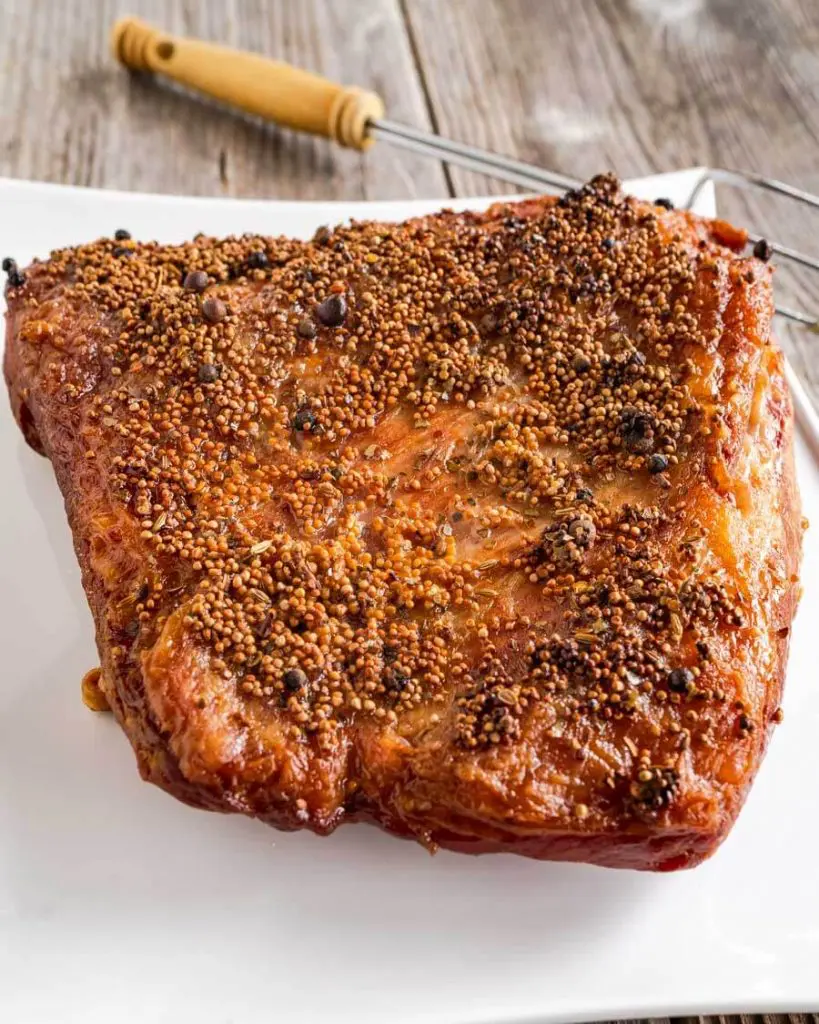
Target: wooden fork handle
<point>267,88</point>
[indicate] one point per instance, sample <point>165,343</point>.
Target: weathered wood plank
<point>71,114</point>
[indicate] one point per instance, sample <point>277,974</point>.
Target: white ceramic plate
<point>118,904</point>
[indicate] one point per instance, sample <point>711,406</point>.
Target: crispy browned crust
<point>738,483</point>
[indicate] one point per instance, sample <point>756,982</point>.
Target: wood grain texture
<point>71,114</point>
<point>575,85</point>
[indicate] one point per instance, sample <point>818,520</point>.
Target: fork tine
<point>749,180</point>
<point>811,262</point>
<point>798,317</point>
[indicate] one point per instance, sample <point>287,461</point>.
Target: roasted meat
<point>482,527</point>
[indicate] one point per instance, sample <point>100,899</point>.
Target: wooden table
<point>574,85</point>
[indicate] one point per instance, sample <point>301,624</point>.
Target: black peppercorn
<point>679,679</point>
<point>214,309</point>
<point>666,204</point>
<point>208,373</point>
<point>196,281</point>
<point>332,311</point>
<point>581,362</point>
<point>657,463</point>
<point>763,250</point>
<point>258,261</point>
<point>304,420</point>
<point>121,235</point>
<point>294,680</point>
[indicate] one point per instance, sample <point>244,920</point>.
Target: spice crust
<point>482,526</point>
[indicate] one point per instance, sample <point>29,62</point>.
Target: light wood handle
<point>267,88</point>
